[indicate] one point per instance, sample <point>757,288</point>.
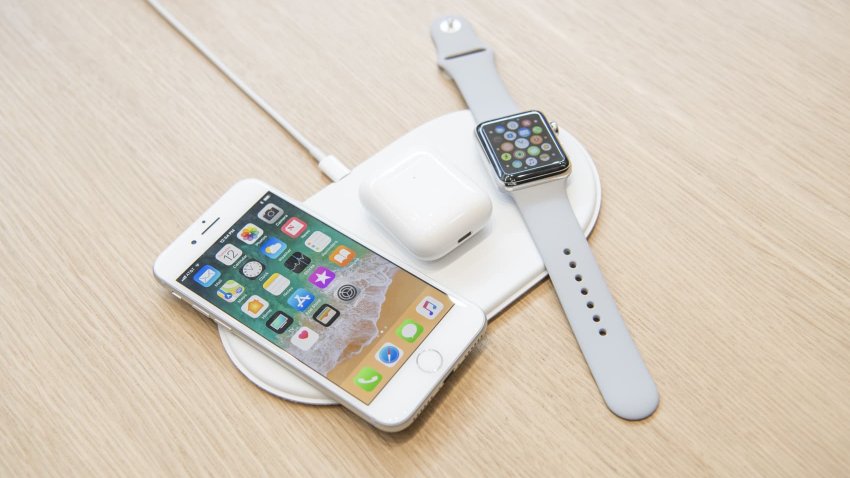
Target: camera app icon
<point>270,213</point>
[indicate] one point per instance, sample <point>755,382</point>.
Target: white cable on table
<point>328,164</point>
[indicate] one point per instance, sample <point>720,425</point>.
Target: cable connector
<point>333,168</point>
<point>328,164</point>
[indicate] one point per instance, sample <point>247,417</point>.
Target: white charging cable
<point>328,164</point>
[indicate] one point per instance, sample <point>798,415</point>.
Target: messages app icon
<point>368,378</point>
<point>409,331</point>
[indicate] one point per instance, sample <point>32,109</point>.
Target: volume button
<point>200,310</point>
<point>175,294</point>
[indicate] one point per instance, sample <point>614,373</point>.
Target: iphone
<point>361,326</point>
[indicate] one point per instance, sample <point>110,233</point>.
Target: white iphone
<point>366,330</point>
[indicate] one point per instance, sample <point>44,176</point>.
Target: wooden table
<point>722,136</point>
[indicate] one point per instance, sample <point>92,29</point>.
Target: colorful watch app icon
<point>207,275</point>
<point>273,247</point>
<point>367,378</point>
<point>409,331</point>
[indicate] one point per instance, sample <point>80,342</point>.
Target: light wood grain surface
<point>722,137</point>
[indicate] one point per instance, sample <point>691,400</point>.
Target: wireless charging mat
<point>491,269</point>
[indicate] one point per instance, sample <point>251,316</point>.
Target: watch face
<point>522,148</point>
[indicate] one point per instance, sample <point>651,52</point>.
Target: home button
<point>429,360</point>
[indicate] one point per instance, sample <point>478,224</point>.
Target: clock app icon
<point>252,269</point>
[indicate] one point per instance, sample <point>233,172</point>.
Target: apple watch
<point>530,165</point>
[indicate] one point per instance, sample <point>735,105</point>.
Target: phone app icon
<point>322,277</point>
<point>342,256</point>
<point>255,306</point>
<point>230,291</point>
<point>207,275</point>
<point>326,315</point>
<point>318,241</point>
<point>250,233</point>
<point>300,299</point>
<point>294,227</point>
<point>252,269</point>
<point>304,338</point>
<point>409,331</point>
<point>228,254</point>
<point>279,322</point>
<point>297,262</point>
<point>368,378</point>
<point>270,213</point>
<point>273,247</point>
<point>429,307</point>
<point>276,284</point>
<point>389,354</point>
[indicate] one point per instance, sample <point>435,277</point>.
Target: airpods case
<point>426,206</point>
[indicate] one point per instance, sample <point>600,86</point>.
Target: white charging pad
<point>491,269</point>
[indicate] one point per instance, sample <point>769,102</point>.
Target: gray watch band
<point>608,348</point>
<point>611,354</point>
<point>470,63</point>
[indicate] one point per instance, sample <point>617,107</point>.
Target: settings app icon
<point>347,292</point>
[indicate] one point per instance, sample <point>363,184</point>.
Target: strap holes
<point>583,291</point>
<point>603,332</point>
<point>578,277</point>
<point>572,264</point>
<point>567,252</point>
<point>596,318</point>
<point>590,305</point>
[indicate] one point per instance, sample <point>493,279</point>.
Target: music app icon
<point>429,307</point>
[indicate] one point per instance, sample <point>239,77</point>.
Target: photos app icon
<point>250,233</point>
